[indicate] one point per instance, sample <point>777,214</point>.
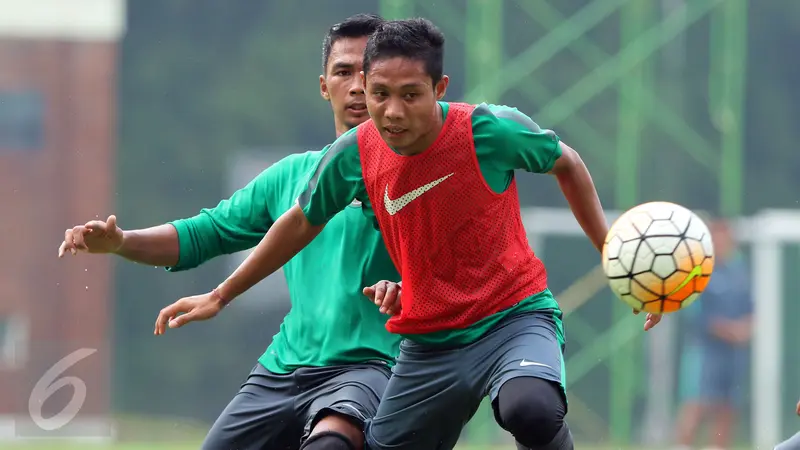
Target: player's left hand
<point>798,407</point>
<point>651,320</point>
<point>188,309</point>
<point>386,295</point>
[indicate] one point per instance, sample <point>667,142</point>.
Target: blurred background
<point>153,109</point>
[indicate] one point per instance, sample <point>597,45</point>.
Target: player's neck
<point>427,139</point>
<point>341,129</point>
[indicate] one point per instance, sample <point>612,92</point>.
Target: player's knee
<point>334,427</point>
<point>328,440</point>
<point>531,409</point>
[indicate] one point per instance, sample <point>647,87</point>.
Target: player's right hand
<point>798,408</point>
<point>96,236</point>
<point>650,321</point>
<point>188,309</point>
<point>386,295</point>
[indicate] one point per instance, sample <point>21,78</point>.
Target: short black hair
<point>417,39</point>
<point>359,25</point>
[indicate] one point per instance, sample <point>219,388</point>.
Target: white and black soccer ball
<point>658,257</point>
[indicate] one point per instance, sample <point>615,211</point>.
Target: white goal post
<point>768,231</point>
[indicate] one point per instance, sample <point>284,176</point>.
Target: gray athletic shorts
<point>434,392</point>
<point>277,412</point>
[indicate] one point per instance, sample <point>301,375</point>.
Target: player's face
<point>341,84</point>
<point>723,239</point>
<point>401,99</point>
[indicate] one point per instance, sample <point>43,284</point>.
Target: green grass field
<point>168,433</point>
<point>196,445</point>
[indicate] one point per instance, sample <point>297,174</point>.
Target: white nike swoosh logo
<point>526,363</point>
<point>394,206</point>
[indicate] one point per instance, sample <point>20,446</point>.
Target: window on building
<point>21,121</point>
<point>13,341</point>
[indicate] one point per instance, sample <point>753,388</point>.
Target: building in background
<point>58,84</point>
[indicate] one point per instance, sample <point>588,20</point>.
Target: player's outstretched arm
<point>578,188</point>
<point>156,246</point>
<point>288,235</point>
<point>330,187</point>
<point>235,224</point>
<point>291,233</point>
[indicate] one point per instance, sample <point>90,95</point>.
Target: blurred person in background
<point>715,356</point>
<point>326,369</point>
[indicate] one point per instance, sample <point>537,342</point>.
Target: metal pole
<point>483,48</point>
<point>624,380</point>
<point>483,57</point>
<point>396,9</point>
<point>727,86</point>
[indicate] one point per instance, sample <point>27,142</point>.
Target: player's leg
<point>694,390</point>
<point>533,410</point>
<point>335,432</point>
<point>261,415</point>
<point>430,397</point>
<point>342,399</point>
<point>526,384</point>
<point>726,376</point>
<point>793,443</point>
<point>715,383</point>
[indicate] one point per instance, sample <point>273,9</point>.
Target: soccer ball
<point>658,257</point>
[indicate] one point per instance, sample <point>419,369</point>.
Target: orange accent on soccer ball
<point>647,287</point>
<point>684,292</point>
<point>672,306</point>
<point>697,252</point>
<point>683,259</point>
<point>701,283</point>
<point>672,285</point>
<point>707,266</point>
<point>652,307</point>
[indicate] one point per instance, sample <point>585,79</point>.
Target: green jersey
<point>330,322</point>
<point>505,140</point>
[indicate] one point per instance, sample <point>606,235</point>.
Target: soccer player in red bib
<point>476,314</point>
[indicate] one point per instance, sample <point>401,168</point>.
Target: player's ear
<point>323,89</point>
<point>363,79</point>
<point>441,87</point>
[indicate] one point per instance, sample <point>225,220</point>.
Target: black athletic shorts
<point>278,411</point>
<point>434,392</point>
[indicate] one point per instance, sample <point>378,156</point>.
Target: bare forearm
<point>578,188</point>
<point>156,246</point>
<point>287,236</point>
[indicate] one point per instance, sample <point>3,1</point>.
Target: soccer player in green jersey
<point>327,367</point>
<point>477,316</point>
